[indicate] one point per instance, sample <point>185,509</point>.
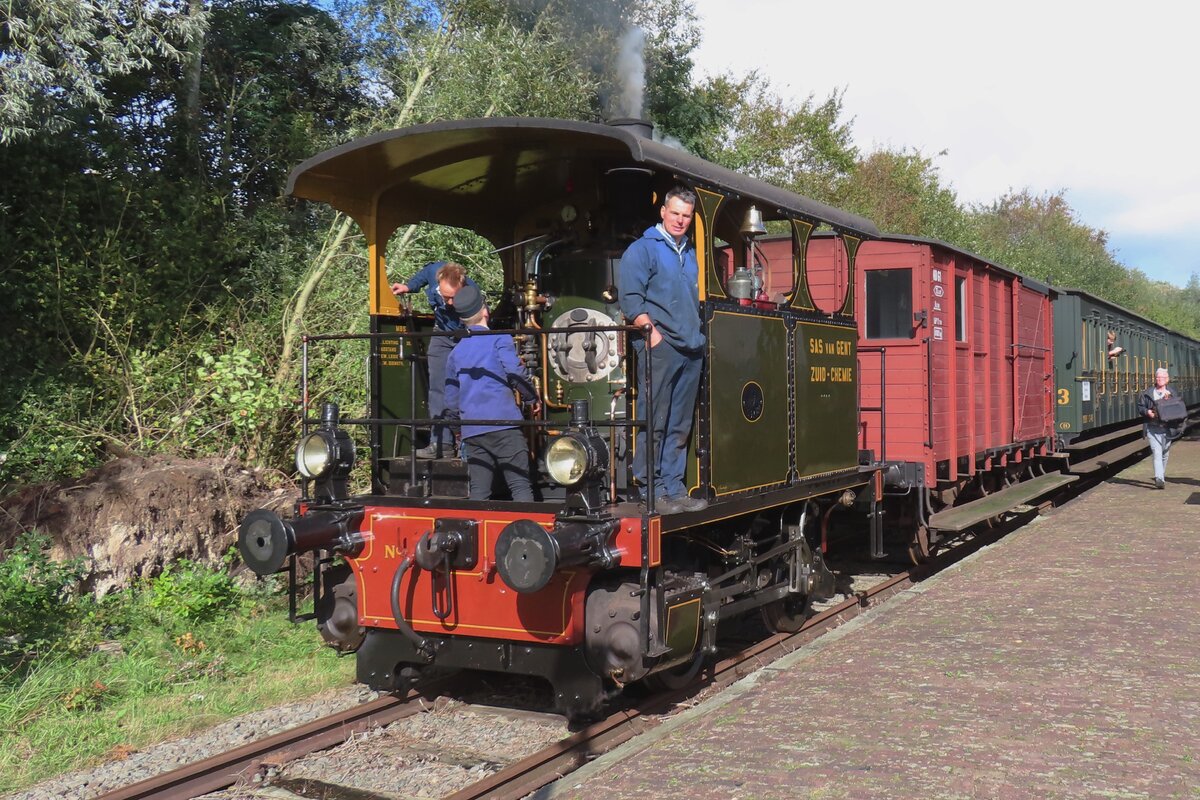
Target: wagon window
<point>889,304</point>
<point>960,309</point>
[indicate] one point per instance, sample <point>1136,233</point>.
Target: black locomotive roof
<point>462,171</point>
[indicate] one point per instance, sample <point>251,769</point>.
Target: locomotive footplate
<point>387,661</point>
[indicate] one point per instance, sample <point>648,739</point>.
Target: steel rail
<point>567,755</point>
<point>226,769</point>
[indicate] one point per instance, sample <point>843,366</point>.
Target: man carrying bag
<point>1165,414</point>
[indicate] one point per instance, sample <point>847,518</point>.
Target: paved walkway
<point>1062,662</point>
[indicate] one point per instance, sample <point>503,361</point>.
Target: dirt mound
<point>131,516</point>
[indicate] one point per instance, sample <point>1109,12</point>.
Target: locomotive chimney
<point>642,128</point>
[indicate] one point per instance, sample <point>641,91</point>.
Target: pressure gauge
<point>569,213</point>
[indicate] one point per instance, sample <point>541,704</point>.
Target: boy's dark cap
<point>467,301</point>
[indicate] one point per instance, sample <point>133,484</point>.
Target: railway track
<point>227,769</point>
<point>239,766</point>
<point>245,767</point>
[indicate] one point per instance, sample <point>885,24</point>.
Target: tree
<point>1167,304</point>
<point>136,238</point>
<point>278,78</point>
<point>902,191</point>
<point>58,56</point>
<point>1039,236</point>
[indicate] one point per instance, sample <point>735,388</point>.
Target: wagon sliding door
<point>1033,412</point>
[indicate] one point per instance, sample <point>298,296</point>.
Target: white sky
<point>1099,98</point>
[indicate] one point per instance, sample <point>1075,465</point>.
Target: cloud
<point>1078,96</point>
<point>1166,215</point>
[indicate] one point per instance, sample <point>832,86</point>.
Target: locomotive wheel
<point>788,614</point>
<point>668,680</point>
<point>919,549</point>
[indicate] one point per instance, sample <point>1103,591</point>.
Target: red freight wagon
<point>955,374</point>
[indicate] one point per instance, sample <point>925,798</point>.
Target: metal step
<point>959,518</point>
<point>1133,429</point>
<point>1108,458</point>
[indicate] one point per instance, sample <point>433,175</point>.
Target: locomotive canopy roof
<point>482,173</point>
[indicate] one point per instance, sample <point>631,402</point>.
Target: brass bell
<point>752,225</point>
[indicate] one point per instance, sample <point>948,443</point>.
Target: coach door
<point>894,352</point>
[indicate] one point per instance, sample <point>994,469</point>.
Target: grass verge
<point>145,666</point>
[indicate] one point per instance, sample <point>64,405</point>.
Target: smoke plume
<point>631,71</point>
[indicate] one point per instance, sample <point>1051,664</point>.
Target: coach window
<point>1130,369</point>
<point>889,304</point>
<point>1114,368</point>
<point>960,309</point>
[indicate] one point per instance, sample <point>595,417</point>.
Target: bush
<point>188,592</point>
<point>38,441</point>
<point>38,599</point>
<point>199,395</point>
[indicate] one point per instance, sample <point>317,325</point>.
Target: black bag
<point>1170,409</point>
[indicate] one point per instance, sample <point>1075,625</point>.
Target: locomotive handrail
<point>464,333</point>
<point>413,423</point>
<point>525,423</point>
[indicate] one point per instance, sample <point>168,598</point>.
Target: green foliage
<point>38,600</point>
<point>1177,309</point>
<point>681,110</point>
<point>210,391</point>
<point>132,241</point>
<point>57,56</point>
<point>902,191</point>
<point>490,74</point>
<point>186,592</point>
<point>137,674</point>
<point>44,443</point>
<point>442,243</point>
<point>278,80</point>
<point>803,147</point>
<point>1039,236</point>
<point>196,395</point>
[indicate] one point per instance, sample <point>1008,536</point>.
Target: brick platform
<point>1062,662</point>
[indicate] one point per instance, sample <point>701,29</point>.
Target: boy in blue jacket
<point>481,373</point>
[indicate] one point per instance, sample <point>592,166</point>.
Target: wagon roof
<point>458,171</point>
<point>1026,281</point>
<point>1132,314</point>
<point>1030,283</point>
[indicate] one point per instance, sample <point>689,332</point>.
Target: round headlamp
<point>326,456</point>
<point>314,454</point>
<point>567,460</point>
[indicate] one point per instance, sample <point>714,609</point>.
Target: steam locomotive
<point>590,587</point>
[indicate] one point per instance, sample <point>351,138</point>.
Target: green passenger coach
<point>1104,356</point>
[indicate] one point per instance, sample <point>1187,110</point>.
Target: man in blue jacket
<point>441,281</point>
<point>658,286</point>
<point>481,375</point>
